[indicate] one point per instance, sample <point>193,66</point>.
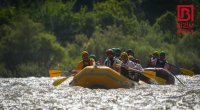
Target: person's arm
<point>126,66</point>
<point>167,66</point>
<point>117,66</point>
<point>79,66</point>
<point>104,63</point>
<point>133,67</point>
<point>93,62</point>
<point>139,67</point>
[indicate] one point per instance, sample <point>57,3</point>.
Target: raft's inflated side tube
<point>101,77</point>
<point>162,76</point>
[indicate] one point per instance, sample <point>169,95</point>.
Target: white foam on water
<point>39,93</point>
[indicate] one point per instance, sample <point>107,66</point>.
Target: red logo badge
<point>185,17</point>
<point>185,12</point>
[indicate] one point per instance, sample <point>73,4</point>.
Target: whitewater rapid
<point>39,93</point>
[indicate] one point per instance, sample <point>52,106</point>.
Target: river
<point>39,93</point>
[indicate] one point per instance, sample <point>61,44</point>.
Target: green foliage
<point>4,72</point>
<point>104,39</point>
<point>27,43</point>
<point>38,35</point>
<point>167,25</point>
<point>16,45</point>
<point>5,15</point>
<point>115,13</point>
<point>191,41</point>
<point>59,19</point>
<point>167,22</point>
<point>189,46</point>
<point>155,8</point>
<point>31,69</point>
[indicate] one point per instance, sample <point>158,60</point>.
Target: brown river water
<point>39,93</point>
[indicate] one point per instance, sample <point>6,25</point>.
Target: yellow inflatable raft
<point>161,76</point>
<point>101,77</point>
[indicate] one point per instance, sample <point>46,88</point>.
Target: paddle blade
<point>186,71</point>
<point>149,74</point>
<point>152,75</point>
<point>55,73</point>
<point>59,81</point>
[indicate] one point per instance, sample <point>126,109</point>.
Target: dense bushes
<point>27,42</point>
<point>37,36</point>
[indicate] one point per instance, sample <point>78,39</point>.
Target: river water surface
<point>39,93</point>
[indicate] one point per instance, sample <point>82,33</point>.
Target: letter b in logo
<point>185,12</point>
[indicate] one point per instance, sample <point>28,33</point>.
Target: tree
<point>167,24</point>
<point>26,43</point>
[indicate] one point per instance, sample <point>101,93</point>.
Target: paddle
<point>158,79</point>
<point>55,73</point>
<point>186,71</point>
<point>183,70</point>
<point>176,78</point>
<point>59,81</point>
<point>153,76</point>
<point>150,74</point>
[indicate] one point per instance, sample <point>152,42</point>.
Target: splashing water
<point>39,93</point>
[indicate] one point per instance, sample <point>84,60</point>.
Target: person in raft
<point>86,61</point>
<point>111,61</point>
<point>128,68</point>
<point>162,62</point>
<point>117,52</point>
<point>97,61</point>
<point>130,52</point>
<point>93,56</point>
<point>153,59</point>
<point>138,65</point>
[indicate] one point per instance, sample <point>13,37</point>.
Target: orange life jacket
<point>82,64</point>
